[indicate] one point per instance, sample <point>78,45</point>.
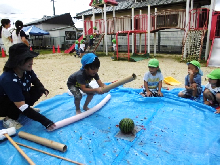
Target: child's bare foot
<point>85,108</point>
<point>78,112</point>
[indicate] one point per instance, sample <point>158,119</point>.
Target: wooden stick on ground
<point>19,149</point>
<point>49,154</point>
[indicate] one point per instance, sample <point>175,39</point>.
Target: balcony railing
<point>159,20</point>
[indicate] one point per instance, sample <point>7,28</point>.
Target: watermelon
<point>126,125</point>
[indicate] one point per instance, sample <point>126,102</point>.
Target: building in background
<point>61,28</point>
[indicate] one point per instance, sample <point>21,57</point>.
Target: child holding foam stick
<point>80,81</point>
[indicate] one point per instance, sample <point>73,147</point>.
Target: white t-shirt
<point>214,91</point>
<point>114,47</point>
<point>7,43</point>
<point>16,38</point>
<point>153,81</point>
<point>82,46</point>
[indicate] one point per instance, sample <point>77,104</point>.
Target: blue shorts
<point>77,52</point>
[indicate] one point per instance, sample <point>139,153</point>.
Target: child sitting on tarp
<point>153,80</point>
<point>80,81</point>
<point>211,94</point>
<point>77,48</point>
<point>193,86</point>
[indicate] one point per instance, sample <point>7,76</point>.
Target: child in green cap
<point>114,47</point>
<point>211,94</point>
<point>153,80</point>
<point>192,81</point>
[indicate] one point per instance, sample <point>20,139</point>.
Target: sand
<point>53,71</point>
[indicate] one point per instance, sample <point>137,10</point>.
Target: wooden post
<point>187,26</point>
<point>155,34</point>
<point>132,15</point>
<point>141,26</point>
<point>83,26</point>
<point>148,30</point>
<point>105,19</point>
<point>209,29</point>
<point>93,19</point>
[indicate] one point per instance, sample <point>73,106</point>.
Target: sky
<point>31,10</point>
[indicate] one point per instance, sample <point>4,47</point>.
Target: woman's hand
<point>51,128</point>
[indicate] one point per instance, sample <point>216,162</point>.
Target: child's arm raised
<point>191,75</point>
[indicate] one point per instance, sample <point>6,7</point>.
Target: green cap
<point>77,42</point>
<point>215,74</point>
<point>82,41</point>
<point>153,63</point>
<point>196,64</point>
<point>95,28</point>
<point>91,37</point>
<point>114,41</point>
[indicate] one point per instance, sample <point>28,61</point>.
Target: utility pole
<point>53,7</point>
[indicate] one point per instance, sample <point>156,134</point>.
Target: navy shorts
<point>189,93</point>
<point>81,51</point>
<point>154,93</point>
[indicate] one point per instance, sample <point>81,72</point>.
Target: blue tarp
<point>175,131</point>
<point>35,31</point>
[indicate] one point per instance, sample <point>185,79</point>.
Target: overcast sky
<point>31,10</point>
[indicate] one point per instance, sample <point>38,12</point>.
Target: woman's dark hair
<point>94,65</point>
<point>3,23</point>
<point>6,69</point>
<point>19,26</point>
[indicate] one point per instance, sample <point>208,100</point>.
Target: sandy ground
<point>54,69</point>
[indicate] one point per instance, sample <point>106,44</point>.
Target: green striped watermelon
<point>126,125</point>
